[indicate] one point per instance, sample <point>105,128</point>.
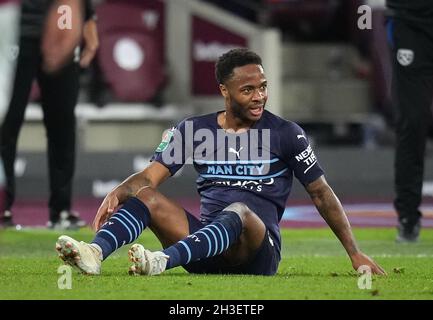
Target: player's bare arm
<point>333,213</point>
<point>91,43</point>
<point>152,176</point>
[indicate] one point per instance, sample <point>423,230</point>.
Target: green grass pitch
<point>314,266</point>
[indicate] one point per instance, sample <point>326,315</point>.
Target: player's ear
<point>223,90</point>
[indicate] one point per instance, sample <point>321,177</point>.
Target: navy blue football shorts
<point>264,262</point>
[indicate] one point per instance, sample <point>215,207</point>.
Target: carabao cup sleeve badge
<point>168,134</point>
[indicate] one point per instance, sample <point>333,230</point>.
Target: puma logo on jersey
<point>299,136</point>
<point>237,153</point>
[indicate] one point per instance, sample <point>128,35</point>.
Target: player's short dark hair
<point>232,59</point>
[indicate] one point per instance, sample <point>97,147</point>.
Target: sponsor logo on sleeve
<point>307,157</point>
<point>165,140</point>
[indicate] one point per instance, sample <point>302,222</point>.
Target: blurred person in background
<point>9,10</point>
<point>410,36</point>
<point>67,40</point>
<point>57,74</point>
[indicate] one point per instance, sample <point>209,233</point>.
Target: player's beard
<point>240,112</point>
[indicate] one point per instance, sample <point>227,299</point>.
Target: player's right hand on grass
<point>360,259</point>
<point>106,209</point>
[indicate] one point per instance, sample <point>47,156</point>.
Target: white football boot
<point>146,262</point>
<point>85,257</point>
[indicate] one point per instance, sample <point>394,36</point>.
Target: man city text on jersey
<point>255,167</point>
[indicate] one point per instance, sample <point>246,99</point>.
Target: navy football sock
<point>209,241</point>
<point>123,227</point>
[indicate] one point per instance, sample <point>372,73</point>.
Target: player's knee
<point>242,210</point>
<point>149,197</point>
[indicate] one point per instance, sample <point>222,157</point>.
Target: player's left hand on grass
<point>91,43</point>
<point>360,259</point>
